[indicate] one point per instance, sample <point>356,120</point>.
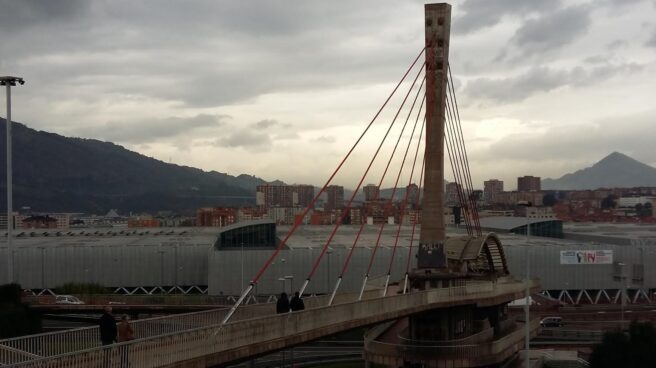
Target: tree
<point>632,350</point>
<point>16,318</point>
<point>549,200</point>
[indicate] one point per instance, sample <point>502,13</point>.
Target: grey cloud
<point>617,44</point>
<point>18,15</point>
<point>589,142</point>
<point>245,139</point>
<point>266,123</point>
<point>543,79</point>
<point>480,14</point>
<point>652,41</point>
<point>324,139</point>
<point>141,132</point>
<point>227,52</point>
<point>553,30</point>
<point>286,135</point>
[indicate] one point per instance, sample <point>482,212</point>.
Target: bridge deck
<point>215,344</point>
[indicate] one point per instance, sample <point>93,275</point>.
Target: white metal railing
<point>62,342</point>
<point>175,347</point>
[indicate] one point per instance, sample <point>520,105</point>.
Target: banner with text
<point>586,257</point>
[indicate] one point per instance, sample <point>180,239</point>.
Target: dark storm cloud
<point>553,30</point>
<point>207,53</point>
<point>142,132</point>
<point>543,79</point>
<point>480,14</point>
<point>18,15</point>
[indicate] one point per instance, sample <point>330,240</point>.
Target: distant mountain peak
<point>614,170</point>
<point>617,156</point>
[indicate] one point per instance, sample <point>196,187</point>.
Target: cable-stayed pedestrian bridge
<point>200,339</point>
<point>452,300</point>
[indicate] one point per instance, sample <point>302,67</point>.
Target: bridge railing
<point>61,342</point>
<point>273,329</point>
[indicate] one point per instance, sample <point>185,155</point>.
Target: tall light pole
<point>527,359</point>
<point>9,82</point>
<point>329,252</point>
<point>622,292</point>
<point>161,269</point>
<point>242,268</point>
<point>291,284</point>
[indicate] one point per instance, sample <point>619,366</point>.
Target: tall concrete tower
<point>431,252</point>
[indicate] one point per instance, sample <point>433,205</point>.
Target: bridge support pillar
<point>431,252</point>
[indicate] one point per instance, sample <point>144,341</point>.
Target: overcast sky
<point>282,89</point>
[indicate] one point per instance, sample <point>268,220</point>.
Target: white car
<point>67,299</point>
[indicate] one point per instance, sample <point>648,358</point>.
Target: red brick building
<point>217,217</point>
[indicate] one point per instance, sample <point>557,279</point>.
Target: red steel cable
<point>311,205</point>
<point>463,156</point>
<point>357,237</point>
<point>348,205</point>
<point>455,102</point>
<point>405,199</point>
<point>455,160</point>
<point>391,200</point>
<point>414,223</point>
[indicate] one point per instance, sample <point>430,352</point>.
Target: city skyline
<point>251,88</point>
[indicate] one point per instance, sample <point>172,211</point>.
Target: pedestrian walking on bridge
<point>282,306</point>
<point>297,303</point>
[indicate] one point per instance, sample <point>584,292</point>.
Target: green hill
<point>56,173</point>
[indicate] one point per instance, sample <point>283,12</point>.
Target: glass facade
<point>260,236</point>
<point>550,229</point>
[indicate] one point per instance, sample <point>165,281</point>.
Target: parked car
<point>551,322</point>
<point>67,299</point>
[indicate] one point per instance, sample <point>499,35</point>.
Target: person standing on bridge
<point>297,303</point>
<point>107,327</point>
<point>125,332</point>
<point>282,306</point>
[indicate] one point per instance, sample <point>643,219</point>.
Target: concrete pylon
<point>431,253</point>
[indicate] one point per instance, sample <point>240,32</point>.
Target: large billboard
<point>586,257</point>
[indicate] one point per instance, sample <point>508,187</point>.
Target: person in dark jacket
<point>107,327</point>
<point>282,306</point>
<point>296,303</point>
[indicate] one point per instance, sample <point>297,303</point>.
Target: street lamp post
<point>291,284</point>
<point>622,292</point>
<point>9,82</point>
<point>242,268</point>
<point>175,269</point>
<point>329,252</point>
<point>527,359</point>
<point>161,269</point>
<point>282,280</point>
<point>43,269</point>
